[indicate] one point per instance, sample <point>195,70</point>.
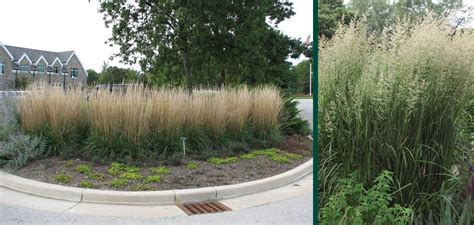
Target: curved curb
<point>152,197</point>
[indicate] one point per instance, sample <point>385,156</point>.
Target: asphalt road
<point>306,107</point>
<point>297,211</point>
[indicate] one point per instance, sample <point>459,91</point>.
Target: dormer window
<point>24,67</point>
<point>56,69</point>
<point>41,68</point>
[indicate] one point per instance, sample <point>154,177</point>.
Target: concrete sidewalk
<point>291,204</point>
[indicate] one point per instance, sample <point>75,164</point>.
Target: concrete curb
<point>152,197</point>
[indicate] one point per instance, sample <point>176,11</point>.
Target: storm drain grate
<point>202,208</point>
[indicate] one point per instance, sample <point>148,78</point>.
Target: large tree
<point>331,14</point>
<point>208,41</point>
<point>381,14</point>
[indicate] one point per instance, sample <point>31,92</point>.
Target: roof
<point>35,55</point>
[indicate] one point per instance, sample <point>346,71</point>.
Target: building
<point>62,68</point>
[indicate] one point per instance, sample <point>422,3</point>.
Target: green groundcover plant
<point>353,204</point>
<point>401,102</point>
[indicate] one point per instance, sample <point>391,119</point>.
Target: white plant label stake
<point>184,146</point>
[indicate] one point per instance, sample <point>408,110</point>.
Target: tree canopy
<point>203,42</point>
<point>379,14</point>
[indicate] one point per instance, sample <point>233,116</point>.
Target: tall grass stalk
<point>58,115</point>
<point>141,122</point>
<point>395,103</point>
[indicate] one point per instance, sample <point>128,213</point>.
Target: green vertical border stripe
<point>315,111</point>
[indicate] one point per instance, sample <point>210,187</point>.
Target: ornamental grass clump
<point>395,102</point>
<point>148,123</point>
<point>57,115</point>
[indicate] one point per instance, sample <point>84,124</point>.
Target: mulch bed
<point>180,177</point>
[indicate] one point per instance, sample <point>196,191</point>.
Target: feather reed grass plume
<point>132,121</point>
<point>396,103</point>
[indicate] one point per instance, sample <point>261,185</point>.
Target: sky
<point>64,25</point>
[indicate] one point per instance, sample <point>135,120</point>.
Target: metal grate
<point>202,208</point>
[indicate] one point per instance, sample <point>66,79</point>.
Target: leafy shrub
<point>219,161</point>
<point>160,170</point>
<point>19,150</point>
<point>353,204</point>
<point>153,179</point>
<point>131,176</point>
<point>292,123</point>
<point>248,156</point>
<point>63,178</point>
<point>191,166</point>
<point>118,182</point>
<point>85,184</point>
<point>84,169</point>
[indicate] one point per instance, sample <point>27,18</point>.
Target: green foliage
<point>115,168</point>
<point>191,166</point>
<point>280,159</point>
<point>20,149</point>
<point>119,182</point>
<point>63,178</point>
<point>160,170</point>
<point>21,83</point>
<point>84,169</point>
<point>95,176</point>
<point>85,184</point>
<point>115,75</point>
<point>208,48</point>
<point>132,169</point>
<point>266,152</point>
<point>353,204</point>
<point>381,14</point>
<point>248,156</point>
<point>152,179</point>
<point>219,161</point>
<point>131,176</point>
<point>302,76</point>
<point>291,122</point>
<point>92,77</point>
<point>331,13</point>
<point>293,156</point>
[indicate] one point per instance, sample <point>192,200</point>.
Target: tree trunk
<point>187,71</point>
<point>222,78</point>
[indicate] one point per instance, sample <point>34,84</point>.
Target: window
<point>74,72</point>
<point>56,69</point>
<point>41,68</point>
<point>24,67</point>
<point>2,68</point>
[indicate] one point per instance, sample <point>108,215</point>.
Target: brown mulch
<point>205,175</point>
